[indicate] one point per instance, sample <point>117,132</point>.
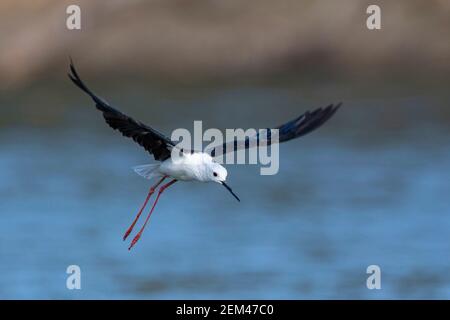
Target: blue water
<point>349,196</point>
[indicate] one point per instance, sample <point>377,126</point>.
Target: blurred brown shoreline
<point>203,41</point>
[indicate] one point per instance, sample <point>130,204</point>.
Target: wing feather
<point>153,141</point>
<point>300,126</point>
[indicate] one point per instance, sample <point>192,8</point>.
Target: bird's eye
<point>215,174</point>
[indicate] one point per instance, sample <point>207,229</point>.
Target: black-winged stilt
<point>192,166</point>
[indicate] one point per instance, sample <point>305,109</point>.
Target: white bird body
<point>197,166</point>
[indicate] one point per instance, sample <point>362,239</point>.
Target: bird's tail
<point>147,171</point>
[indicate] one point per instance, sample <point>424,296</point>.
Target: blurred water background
<point>370,187</point>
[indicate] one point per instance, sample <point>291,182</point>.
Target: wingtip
<point>72,68</point>
<point>333,109</point>
<point>73,75</point>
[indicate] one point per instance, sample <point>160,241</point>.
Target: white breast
<point>188,167</point>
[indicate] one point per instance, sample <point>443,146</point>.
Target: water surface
<point>371,187</point>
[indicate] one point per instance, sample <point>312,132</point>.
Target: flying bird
<point>190,165</point>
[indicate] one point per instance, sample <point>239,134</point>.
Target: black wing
<point>298,127</point>
<point>153,141</point>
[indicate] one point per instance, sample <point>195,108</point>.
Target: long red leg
<point>161,190</point>
<point>150,192</point>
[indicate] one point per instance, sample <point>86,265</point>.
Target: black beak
<point>229,189</point>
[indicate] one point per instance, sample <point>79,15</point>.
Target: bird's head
<point>217,173</point>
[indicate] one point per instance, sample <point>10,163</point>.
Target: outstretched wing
<point>298,127</point>
<point>153,141</point>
